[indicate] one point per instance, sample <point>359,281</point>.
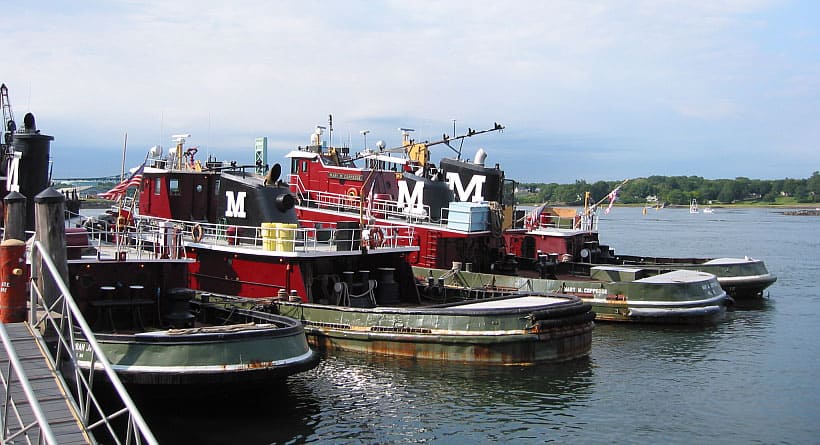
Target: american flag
<point>613,195</point>
<point>133,181</point>
<point>534,215</point>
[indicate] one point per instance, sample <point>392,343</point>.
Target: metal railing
<point>307,238</point>
<point>379,207</point>
<point>561,223</point>
<point>112,239</point>
<point>10,407</point>
<point>63,320</point>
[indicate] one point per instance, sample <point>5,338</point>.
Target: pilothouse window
<point>157,186</point>
<point>173,186</point>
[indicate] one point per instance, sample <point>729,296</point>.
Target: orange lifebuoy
<point>352,192</point>
<point>196,233</point>
<point>376,237</point>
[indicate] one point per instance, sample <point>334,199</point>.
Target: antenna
<point>180,137</point>
<point>330,132</point>
<point>364,133</point>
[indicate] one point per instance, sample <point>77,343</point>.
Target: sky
<point>587,90</point>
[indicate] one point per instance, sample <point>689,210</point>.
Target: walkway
<point>53,400</point>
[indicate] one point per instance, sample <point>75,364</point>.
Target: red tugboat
<point>346,279</point>
<point>455,209</point>
<point>461,215</point>
<point>563,239</point>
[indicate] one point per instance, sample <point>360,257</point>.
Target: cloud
<point>627,75</point>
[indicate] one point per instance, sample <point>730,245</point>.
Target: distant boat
<point>708,210</point>
<point>693,206</point>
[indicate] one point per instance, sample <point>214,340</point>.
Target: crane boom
<point>9,127</point>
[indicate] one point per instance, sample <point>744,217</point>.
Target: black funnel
<point>31,174</point>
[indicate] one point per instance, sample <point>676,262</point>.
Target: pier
<point>46,397</point>
<point>37,405</point>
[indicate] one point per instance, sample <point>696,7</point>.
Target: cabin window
<point>157,186</point>
<point>173,186</point>
<point>294,166</point>
<point>216,187</point>
<point>304,166</point>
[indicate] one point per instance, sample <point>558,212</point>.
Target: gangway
<point>36,405</point>
<point>37,410</point>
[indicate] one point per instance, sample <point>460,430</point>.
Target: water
<point>750,379</point>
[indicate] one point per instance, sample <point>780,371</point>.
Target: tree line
<point>678,190</point>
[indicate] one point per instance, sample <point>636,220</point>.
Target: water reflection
<point>380,399</point>
<point>750,379</point>
<point>279,413</point>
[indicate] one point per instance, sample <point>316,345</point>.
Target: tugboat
<point>151,329</point>
<point>616,293</point>
<point>156,333</point>
<point>571,239</point>
<point>461,211</point>
<point>348,282</point>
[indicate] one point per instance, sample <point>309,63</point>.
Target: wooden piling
<point>49,229</point>
<point>14,216</point>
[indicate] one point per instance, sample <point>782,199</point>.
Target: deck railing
<point>63,321</point>
<point>376,206</point>
<point>559,223</point>
<point>307,237</point>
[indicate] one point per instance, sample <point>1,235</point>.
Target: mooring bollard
<point>13,281</point>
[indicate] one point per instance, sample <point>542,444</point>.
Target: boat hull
<point>520,330</point>
<point>274,348</point>
<point>198,359</point>
<point>678,297</point>
<point>741,278</point>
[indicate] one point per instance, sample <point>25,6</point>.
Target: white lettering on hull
<point>12,181</point>
<point>235,207</point>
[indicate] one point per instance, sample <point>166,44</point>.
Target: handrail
<point>33,402</point>
<point>564,223</point>
<point>65,329</point>
<point>387,208</point>
<point>290,239</point>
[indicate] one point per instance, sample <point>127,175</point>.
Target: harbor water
<point>751,379</point>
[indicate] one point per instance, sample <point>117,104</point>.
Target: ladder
<point>431,251</point>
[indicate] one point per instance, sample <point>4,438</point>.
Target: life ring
<point>376,237</point>
<point>196,233</point>
<point>352,192</point>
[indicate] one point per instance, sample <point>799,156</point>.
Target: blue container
<point>468,216</point>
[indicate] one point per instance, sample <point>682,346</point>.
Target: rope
<point>216,329</point>
<point>345,295</point>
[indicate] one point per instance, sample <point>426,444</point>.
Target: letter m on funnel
<point>235,206</point>
<point>406,199</point>
<point>475,187</point>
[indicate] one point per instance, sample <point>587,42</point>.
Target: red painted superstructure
<point>455,208</point>
<point>244,231</point>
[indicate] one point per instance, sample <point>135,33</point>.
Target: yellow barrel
<point>286,238</point>
<point>269,236</point>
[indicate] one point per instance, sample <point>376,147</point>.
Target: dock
<point>53,401</point>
